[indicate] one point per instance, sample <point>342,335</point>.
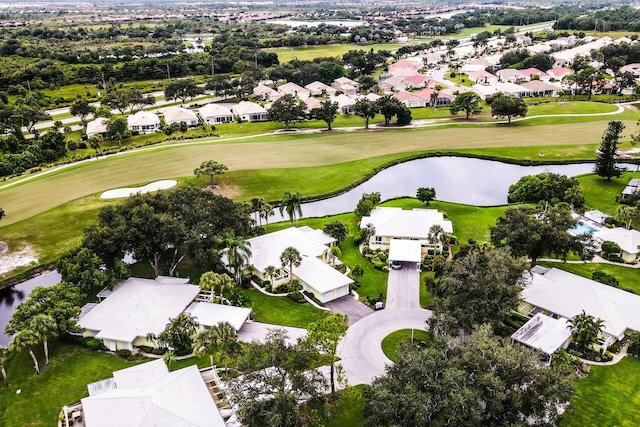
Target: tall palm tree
<point>290,257</point>
<point>205,342</point>
<point>44,326</point>
<point>227,341</point>
<point>224,282</point>
<point>238,256</point>
<point>25,340</point>
<point>334,252</point>
<point>4,352</point>
<point>291,203</point>
<point>265,212</point>
<point>367,233</point>
<point>438,235</point>
<point>270,271</point>
<point>586,330</point>
<point>208,283</point>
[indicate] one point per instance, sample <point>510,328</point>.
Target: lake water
<point>11,297</point>
<point>456,179</point>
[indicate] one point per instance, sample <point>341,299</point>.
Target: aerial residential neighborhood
<point>287,214</point>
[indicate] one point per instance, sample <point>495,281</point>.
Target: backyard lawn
<point>350,409</point>
<point>601,194</point>
<point>608,396</point>
<point>283,310</point>
<point>61,383</point>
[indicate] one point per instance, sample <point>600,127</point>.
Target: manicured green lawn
<point>310,53</point>
<point>283,310</point>
<point>61,383</point>
<point>601,194</point>
<point>425,294</point>
<point>628,277</point>
<point>392,342</point>
<point>608,396</point>
<point>350,409</point>
<point>460,79</point>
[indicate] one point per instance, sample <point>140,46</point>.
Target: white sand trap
<point>12,260</point>
<point>126,192</point>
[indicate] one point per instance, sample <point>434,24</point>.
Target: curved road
<point>361,351</point>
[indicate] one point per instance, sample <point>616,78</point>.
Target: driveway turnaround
<point>351,307</point>
<point>361,349</point>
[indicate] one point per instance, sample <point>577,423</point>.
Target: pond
<point>456,179</point>
<point>11,297</point>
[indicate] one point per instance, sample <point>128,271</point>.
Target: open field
<point>609,396</point>
<point>601,194</point>
<point>287,54</point>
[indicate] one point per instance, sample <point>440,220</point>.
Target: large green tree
<point>82,109</point>
<point>210,168</point>
<point>117,129</point>
<point>477,380</point>
<point>365,109</point>
<point>287,109</point>
<point>327,112</point>
<point>481,285</point>
<point>336,229</point>
<point>506,106</point>
<point>531,233</point>
<point>82,267</point>
<point>388,107</point>
<point>426,195</point>
<point>606,166</point>
<point>178,334</point>
<point>182,89</point>
<point>469,102</point>
<point>279,378</point>
<point>546,186</point>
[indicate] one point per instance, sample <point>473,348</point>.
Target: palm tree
<point>227,341</point>
<point>368,232</point>
<point>44,326</point>
<point>627,214</point>
<point>4,352</point>
<point>270,271</point>
<point>256,208</point>
<point>334,252</point>
<point>265,212</point>
<point>433,99</point>
<point>169,358</point>
<point>238,256</point>
<point>290,257</point>
<point>205,342</point>
<point>438,235</point>
<point>586,330</point>
<point>224,282</point>
<point>25,340</point>
<point>208,283</point>
<point>291,203</point>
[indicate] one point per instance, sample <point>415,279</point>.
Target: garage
<point>404,252</point>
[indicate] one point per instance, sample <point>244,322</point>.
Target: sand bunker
<point>126,192</point>
<point>12,260</point>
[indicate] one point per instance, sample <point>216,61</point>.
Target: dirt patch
<point>10,260</point>
<point>230,191</point>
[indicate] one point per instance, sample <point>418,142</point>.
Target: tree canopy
<point>365,109</point>
<point>506,106</point>
<point>182,89</point>
<point>481,285</point>
<point>426,195</point>
<point>477,380</point>
<point>546,186</point>
<point>469,102</point>
<point>287,109</point>
<point>327,112</point>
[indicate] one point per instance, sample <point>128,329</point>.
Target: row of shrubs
<point>378,257</point>
<point>591,354</point>
<point>609,279</point>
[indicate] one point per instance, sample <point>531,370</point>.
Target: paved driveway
<point>351,307</point>
<point>360,351</point>
<point>403,289</point>
<point>256,331</point>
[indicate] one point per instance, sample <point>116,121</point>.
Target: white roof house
<point>405,224</point>
<point>405,250</point>
<point>566,295</point>
<point>510,75</point>
<point>312,103</point>
<point>266,93</point>
<point>345,103</point>
<point>209,314</point>
<point>325,282</point>
<point>316,89</point>
<point>294,90</point>
<point>143,122</point>
<point>215,113</point>
<point>136,308</point>
<point>149,395</point>
<point>345,85</point>
<point>250,112</point>
<point>540,88</point>
<point>97,127</point>
<point>544,333</point>
<point>180,115</point>
<point>628,240</point>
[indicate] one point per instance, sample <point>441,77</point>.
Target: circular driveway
<point>361,349</point>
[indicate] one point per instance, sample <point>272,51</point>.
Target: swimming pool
<point>582,228</point>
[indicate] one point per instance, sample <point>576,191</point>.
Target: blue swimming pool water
<point>582,228</point>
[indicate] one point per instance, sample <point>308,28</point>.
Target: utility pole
<point>168,73</point>
<point>104,83</point>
